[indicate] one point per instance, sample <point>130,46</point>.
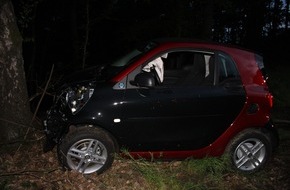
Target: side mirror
<point>144,80</point>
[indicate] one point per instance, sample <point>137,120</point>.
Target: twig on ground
<point>28,172</point>
<point>14,123</point>
<point>21,141</point>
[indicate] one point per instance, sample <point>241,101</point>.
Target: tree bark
<point>287,17</point>
<point>15,113</point>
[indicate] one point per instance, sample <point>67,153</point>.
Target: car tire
<point>250,151</point>
<point>86,150</point>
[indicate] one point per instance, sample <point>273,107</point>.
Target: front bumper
<point>55,125</point>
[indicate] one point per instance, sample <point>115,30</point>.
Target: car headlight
<point>76,97</point>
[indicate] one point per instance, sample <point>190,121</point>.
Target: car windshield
<point>125,60</point>
<point>114,68</point>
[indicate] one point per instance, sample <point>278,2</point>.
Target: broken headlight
<point>76,97</point>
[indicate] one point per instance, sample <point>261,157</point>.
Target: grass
<point>207,173</point>
<point>209,170</point>
<point>199,174</point>
<point>4,184</point>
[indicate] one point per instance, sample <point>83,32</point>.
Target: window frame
<point>232,64</point>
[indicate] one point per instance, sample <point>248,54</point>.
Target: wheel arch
<point>259,133</point>
<point>74,127</point>
<point>262,130</point>
<point>271,130</point>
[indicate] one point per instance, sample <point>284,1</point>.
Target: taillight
<point>270,98</point>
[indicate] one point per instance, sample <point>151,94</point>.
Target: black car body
<point>225,108</point>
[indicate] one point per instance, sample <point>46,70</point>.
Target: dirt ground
<point>27,167</point>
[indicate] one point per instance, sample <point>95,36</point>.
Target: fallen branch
<point>14,123</point>
<point>27,172</point>
<point>35,174</point>
<point>21,141</point>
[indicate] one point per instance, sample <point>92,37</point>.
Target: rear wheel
<point>86,150</point>
<point>250,151</point>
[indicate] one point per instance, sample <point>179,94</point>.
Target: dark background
<point>75,34</point>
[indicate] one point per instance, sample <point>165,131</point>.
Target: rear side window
<point>227,68</point>
<point>260,63</point>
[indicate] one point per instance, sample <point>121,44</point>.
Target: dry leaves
<point>30,168</point>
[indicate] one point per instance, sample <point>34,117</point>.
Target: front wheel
<point>250,151</point>
<point>86,150</point>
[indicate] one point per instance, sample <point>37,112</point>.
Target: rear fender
<point>271,130</point>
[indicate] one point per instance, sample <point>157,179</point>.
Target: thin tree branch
<point>44,92</point>
<point>15,123</point>
<point>22,141</point>
<point>37,94</point>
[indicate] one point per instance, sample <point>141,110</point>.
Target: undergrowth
<point>197,174</point>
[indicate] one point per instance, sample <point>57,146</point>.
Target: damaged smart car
<point>170,99</point>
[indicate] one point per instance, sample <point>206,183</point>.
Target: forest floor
<point>25,166</point>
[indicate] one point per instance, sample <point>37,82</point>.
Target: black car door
<point>187,111</point>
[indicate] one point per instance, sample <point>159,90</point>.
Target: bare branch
<point>44,91</point>
<point>27,172</point>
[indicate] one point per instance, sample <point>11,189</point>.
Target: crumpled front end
<point>66,105</point>
<point>55,123</point>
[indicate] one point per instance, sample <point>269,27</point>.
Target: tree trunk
<point>287,8</point>
<point>15,113</point>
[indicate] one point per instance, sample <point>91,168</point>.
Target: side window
<point>178,68</point>
<point>227,68</point>
<point>188,68</point>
